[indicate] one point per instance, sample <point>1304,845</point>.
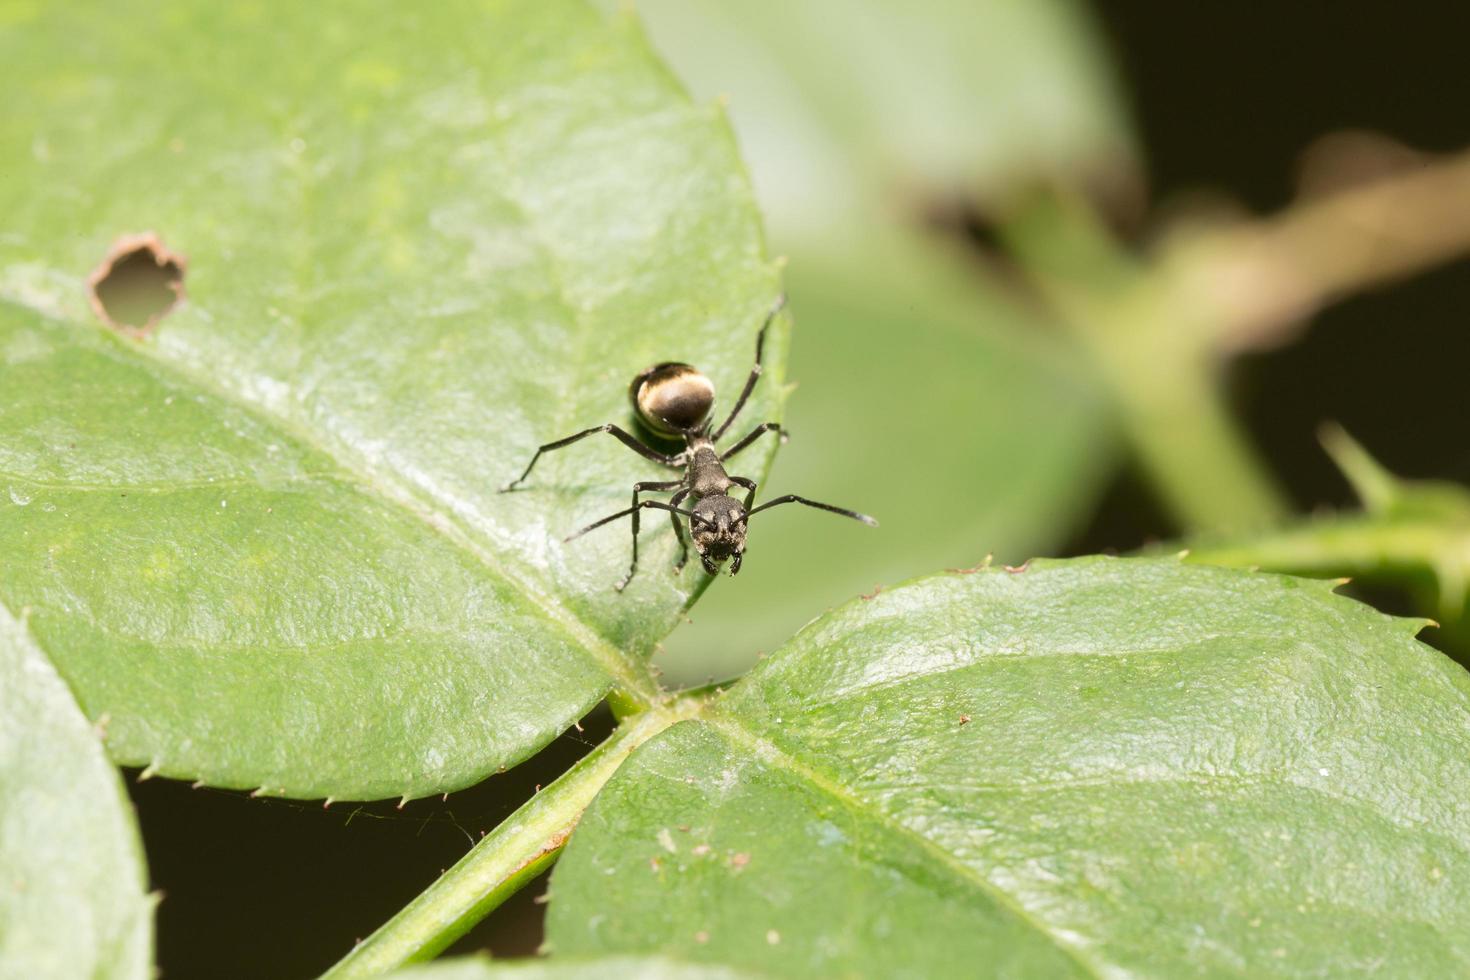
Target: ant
<point>674,401</point>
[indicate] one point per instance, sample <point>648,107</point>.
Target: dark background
<point>1224,98</point>
<point>1228,98</point>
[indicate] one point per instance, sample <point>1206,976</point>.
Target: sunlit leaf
<point>1096,767</point>
<point>266,538</point>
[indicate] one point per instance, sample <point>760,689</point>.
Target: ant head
<point>672,398</point>
<point>717,527</point>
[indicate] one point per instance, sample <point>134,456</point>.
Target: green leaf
<point>569,968</point>
<point>266,538</point>
<point>1092,767</point>
<point>73,899</point>
<point>844,105</point>
<point>927,396</point>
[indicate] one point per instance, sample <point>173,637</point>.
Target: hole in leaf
<point>138,284</point>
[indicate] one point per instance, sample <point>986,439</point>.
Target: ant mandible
<point>675,400</point>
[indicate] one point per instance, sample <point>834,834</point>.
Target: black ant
<point>674,400</point>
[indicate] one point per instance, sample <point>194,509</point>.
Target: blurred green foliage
<point>927,394</point>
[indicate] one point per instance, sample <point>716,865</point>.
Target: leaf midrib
<point>380,485</point>
<point>765,750</point>
<point>733,728</point>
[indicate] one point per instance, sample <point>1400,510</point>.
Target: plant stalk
<point>523,846</point>
<point>1264,278</point>
<point>1416,553</point>
<point>1157,355</point>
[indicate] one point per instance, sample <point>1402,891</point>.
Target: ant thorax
<point>707,476</point>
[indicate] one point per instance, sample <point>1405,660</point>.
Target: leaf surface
<point>73,899</point>
<point>569,968</point>
<point>266,539</point>
<point>1095,767</point>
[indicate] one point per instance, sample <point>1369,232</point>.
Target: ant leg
<point>637,489</point>
<point>675,501</point>
<point>658,504</point>
<point>755,434</point>
<point>625,438</point>
<point>749,485</point>
<point>755,372</point>
<point>792,498</point>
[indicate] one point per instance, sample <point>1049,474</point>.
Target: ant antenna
<point>656,504</point>
<point>792,498</point>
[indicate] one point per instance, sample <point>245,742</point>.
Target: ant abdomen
<point>672,398</point>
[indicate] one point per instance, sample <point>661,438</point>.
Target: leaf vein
<point>735,730</point>
<point>379,485</point>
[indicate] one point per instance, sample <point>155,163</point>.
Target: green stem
<point>1325,548</point>
<point>1414,552</point>
<point>1192,451</point>
<point>506,859</point>
<point>1412,532</point>
<point>625,703</point>
<point>1157,353</point>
